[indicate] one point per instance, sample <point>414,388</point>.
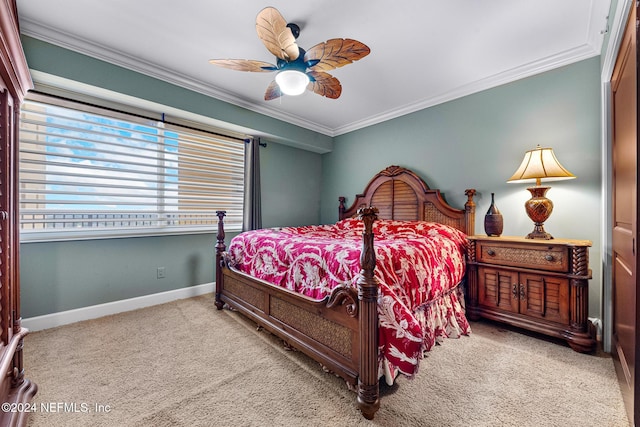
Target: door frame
<point>616,32</point>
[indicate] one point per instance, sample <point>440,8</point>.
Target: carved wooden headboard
<point>400,194</point>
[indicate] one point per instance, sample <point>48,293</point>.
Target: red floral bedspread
<point>418,264</point>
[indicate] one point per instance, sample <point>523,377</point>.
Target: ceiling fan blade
<point>335,53</point>
<point>324,84</point>
<point>244,65</point>
<point>273,91</point>
<point>276,36</point>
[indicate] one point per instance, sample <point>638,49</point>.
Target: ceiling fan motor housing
<point>298,65</point>
<point>295,29</point>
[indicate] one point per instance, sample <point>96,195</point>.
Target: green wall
<point>291,183</point>
<point>59,276</point>
<point>479,141</point>
<point>474,142</point>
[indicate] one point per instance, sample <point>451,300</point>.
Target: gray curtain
<point>252,219</point>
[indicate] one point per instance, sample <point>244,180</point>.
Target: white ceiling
<point>423,52</point>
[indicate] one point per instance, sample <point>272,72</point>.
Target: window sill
<point>61,236</point>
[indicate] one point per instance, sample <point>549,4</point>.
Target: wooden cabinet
<point>539,285</point>
<point>532,295</point>
<point>15,81</point>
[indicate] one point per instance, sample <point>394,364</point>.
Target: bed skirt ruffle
<point>439,319</point>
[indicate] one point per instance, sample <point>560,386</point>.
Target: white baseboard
<point>92,312</point>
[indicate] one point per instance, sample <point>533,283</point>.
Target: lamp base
<point>539,209</point>
<point>539,233</point>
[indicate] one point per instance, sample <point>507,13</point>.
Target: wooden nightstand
<point>539,285</point>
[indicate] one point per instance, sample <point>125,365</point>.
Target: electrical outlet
<point>161,273</point>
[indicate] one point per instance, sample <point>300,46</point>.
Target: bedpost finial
<point>220,246</point>
<point>368,211</point>
<point>470,192</point>
<point>368,215</point>
<point>470,211</point>
<point>341,208</point>
<point>367,256</point>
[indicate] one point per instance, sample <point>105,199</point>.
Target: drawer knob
<point>491,252</point>
<point>549,257</point>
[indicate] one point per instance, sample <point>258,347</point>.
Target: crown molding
<point>547,64</point>
<point>65,40</point>
<point>13,65</point>
<point>616,33</point>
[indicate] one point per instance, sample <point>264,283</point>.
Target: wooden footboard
<point>339,332</point>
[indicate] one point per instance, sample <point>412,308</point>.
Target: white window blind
<point>86,172</point>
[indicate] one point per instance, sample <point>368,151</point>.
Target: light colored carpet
<point>187,364</point>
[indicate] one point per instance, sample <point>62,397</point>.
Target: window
<point>88,172</point>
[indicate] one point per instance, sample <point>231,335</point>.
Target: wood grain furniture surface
<point>341,331</point>
<point>539,285</point>
<point>16,391</point>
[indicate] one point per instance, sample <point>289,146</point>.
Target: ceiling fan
<point>297,69</point>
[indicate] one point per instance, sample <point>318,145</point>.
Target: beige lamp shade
<point>540,164</point>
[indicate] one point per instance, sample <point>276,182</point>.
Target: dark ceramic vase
<point>493,220</point>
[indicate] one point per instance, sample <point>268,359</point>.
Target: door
<point>625,218</point>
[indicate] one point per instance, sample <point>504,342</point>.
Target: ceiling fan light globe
<point>292,82</point>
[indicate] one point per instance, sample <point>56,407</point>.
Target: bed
<point>357,325</point>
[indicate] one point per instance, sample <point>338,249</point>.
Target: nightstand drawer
<point>541,257</point>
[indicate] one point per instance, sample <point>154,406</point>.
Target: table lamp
<point>538,165</point>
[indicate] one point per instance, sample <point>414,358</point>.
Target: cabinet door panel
<point>545,297</point>
<point>497,289</point>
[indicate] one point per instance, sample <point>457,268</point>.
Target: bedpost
<point>341,207</point>
<point>220,248</point>
<point>368,391</point>
<point>470,212</point>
